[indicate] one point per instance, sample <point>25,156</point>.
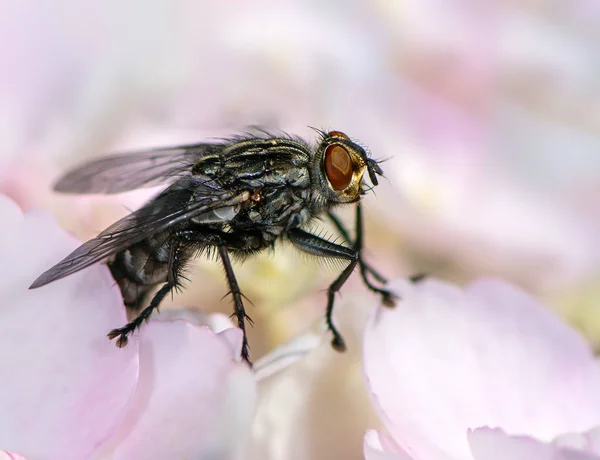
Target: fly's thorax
<point>253,163</point>
<point>276,208</point>
<point>338,169</point>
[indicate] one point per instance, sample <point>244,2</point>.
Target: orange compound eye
<point>338,166</point>
<point>338,134</point>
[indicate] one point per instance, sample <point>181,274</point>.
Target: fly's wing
<point>120,173</point>
<point>177,204</point>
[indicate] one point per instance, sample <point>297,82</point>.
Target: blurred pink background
<point>487,113</point>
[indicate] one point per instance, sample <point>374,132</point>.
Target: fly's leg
<point>364,266</point>
<point>220,240</point>
<point>318,246</point>
<point>238,305</point>
<point>123,332</point>
<point>172,282</point>
<point>387,297</point>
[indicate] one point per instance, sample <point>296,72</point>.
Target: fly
<point>238,197</point>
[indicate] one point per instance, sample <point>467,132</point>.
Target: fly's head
<point>340,166</point>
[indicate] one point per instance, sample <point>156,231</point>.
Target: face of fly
<point>340,165</point>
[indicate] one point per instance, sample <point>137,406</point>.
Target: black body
<point>234,197</point>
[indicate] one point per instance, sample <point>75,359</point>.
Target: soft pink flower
<point>177,390</point>
<point>447,361</point>
<point>495,444</point>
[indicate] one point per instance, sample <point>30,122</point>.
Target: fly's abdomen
<point>138,269</point>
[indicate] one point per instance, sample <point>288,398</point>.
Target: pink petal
<point>488,444</point>
<point>10,456</point>
<point>233,338</point>
<point>194,399</point>
<point>292,351</point>
<point>588,441</point>
<point>217,322</point>
<point>377,446</point>
<point>445,360</point>
<point>65,385</point>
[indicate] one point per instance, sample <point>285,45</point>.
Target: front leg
<point>387,297</point>
<point>318,246</point>
<point>364,266</point>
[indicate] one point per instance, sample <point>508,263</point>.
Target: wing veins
<point>120,173</point>
<point>129,230</point>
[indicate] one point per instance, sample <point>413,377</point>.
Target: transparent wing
<point>120,173</point>
<point>175,205</point>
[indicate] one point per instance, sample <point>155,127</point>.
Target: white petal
<point>291,351</point>
<point>378,447</point>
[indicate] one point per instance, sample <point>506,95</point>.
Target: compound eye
<point>338,166</point>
